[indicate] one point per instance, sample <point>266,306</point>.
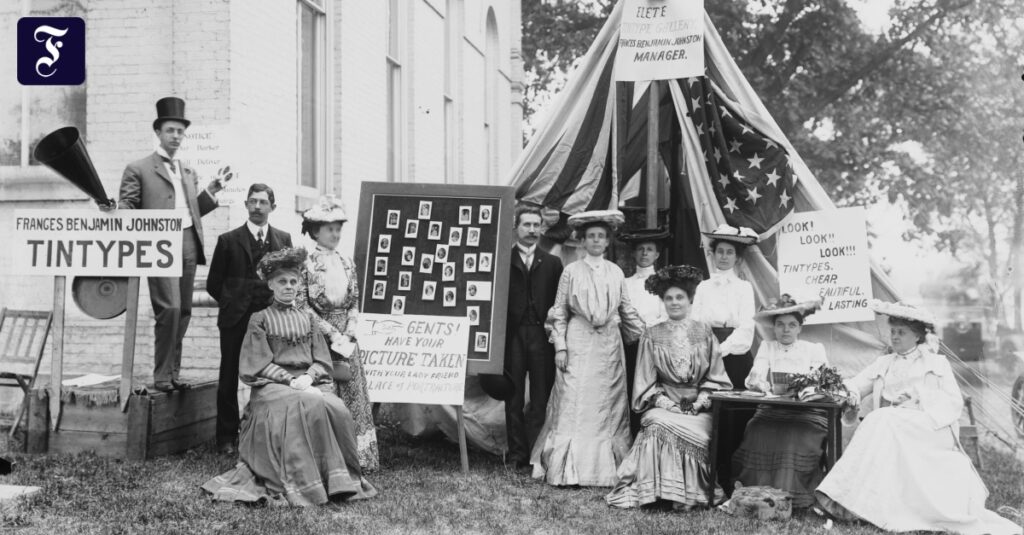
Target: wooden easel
<point>57,360</point>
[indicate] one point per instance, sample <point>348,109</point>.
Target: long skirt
<point>782,448</point>
<point>668,461</point>
<point>586,431</point>
<point>295,448</point>
<point>357,398</point>
<point>902,474</point>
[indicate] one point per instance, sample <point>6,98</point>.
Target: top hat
<point>170,109</point>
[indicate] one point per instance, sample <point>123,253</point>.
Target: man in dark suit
<point>240,293</point>
<point>159,181</point>
<point>533,283</point>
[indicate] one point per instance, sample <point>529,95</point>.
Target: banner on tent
<point>824,254</point>
<point>413,358</point>
<point>125,243</point>
<point>660,40</point>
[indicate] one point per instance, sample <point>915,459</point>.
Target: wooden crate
<point>156,423</point>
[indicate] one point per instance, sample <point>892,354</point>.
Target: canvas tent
<point>591,152</point>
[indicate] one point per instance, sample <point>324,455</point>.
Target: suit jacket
<point>543,278</point>
<point>146,185</point>
<point>232,280</point>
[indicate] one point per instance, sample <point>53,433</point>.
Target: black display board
<point>439,250</point>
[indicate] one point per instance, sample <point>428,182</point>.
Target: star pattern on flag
<point>752,175</point>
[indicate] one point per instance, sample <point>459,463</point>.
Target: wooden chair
<point>23,338</point>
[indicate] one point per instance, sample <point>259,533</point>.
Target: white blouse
<point>922,374</point>
<point>725,300</point>
<point>798,357</point>
<point>649,306</point>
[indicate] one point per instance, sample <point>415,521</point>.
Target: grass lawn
<point>421,491</point>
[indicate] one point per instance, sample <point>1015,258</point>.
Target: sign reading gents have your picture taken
<point>433,261</point>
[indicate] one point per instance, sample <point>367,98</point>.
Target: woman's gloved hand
<point>302,382</point>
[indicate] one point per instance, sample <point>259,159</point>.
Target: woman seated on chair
<point>904,470</point>
<point>782,447</point>
<point>297,444</point>
<point>678,366</point>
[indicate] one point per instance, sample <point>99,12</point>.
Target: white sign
<point>123,243</point>
<point>825,255</point>
<point>414,359</point>
<point>660,40</point>
<point>207,150</point>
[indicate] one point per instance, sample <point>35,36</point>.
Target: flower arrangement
<point>824,383</point>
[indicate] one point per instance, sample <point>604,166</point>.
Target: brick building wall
<point>235,64</point>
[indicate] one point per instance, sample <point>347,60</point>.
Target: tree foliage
<point>927,111</point>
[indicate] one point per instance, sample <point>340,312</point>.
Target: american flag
<point>752,175</point>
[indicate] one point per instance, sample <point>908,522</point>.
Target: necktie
<point>174,168</point>
<point>259,239</point>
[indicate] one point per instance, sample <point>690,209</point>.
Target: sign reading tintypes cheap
<point>825,255</point>
<point>660,40</point>
<point>124,243</point>
<point>413,358</point>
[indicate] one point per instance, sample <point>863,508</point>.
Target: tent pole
<point>652,155</point>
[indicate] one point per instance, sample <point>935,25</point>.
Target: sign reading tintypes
<point>413,358</point>
<point>825,255</point>
<point>660,40</point>
<point>124,243</point>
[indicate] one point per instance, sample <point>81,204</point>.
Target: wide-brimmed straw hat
<point>740,235</point>
<point>612,218</point>
<point>903,311</point>
<point>787,305</point>
<point>656,235</point>
<point>328,209</point>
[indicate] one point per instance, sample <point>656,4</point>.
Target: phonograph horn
<point>63,151</point>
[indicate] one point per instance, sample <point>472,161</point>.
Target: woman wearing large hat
<point>782,447</point>
<point>331,289</point>
<point>586,430</point>
<point>677,369</point>
<point>297,444</point>
<point>726,302</point>
<point>904,470</point>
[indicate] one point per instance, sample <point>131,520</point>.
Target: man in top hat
<point>533,283</point>
<point>647,246</point>
<point>158,181</point>
<point>240,293</point>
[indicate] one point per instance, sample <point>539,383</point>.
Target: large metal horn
<point>63,151</point>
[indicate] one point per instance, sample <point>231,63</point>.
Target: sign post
<point>435,263</point>
<point>126,243</point>
<point>824,255</point>
<point>659,40</point>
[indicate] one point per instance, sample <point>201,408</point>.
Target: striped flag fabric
<point>752,176</point>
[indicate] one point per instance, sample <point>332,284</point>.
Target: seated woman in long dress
<point>782,447</point>
<point>297,444</point>
<point>677,369</point>
<point>586,428</point>
<point>904,470</point>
